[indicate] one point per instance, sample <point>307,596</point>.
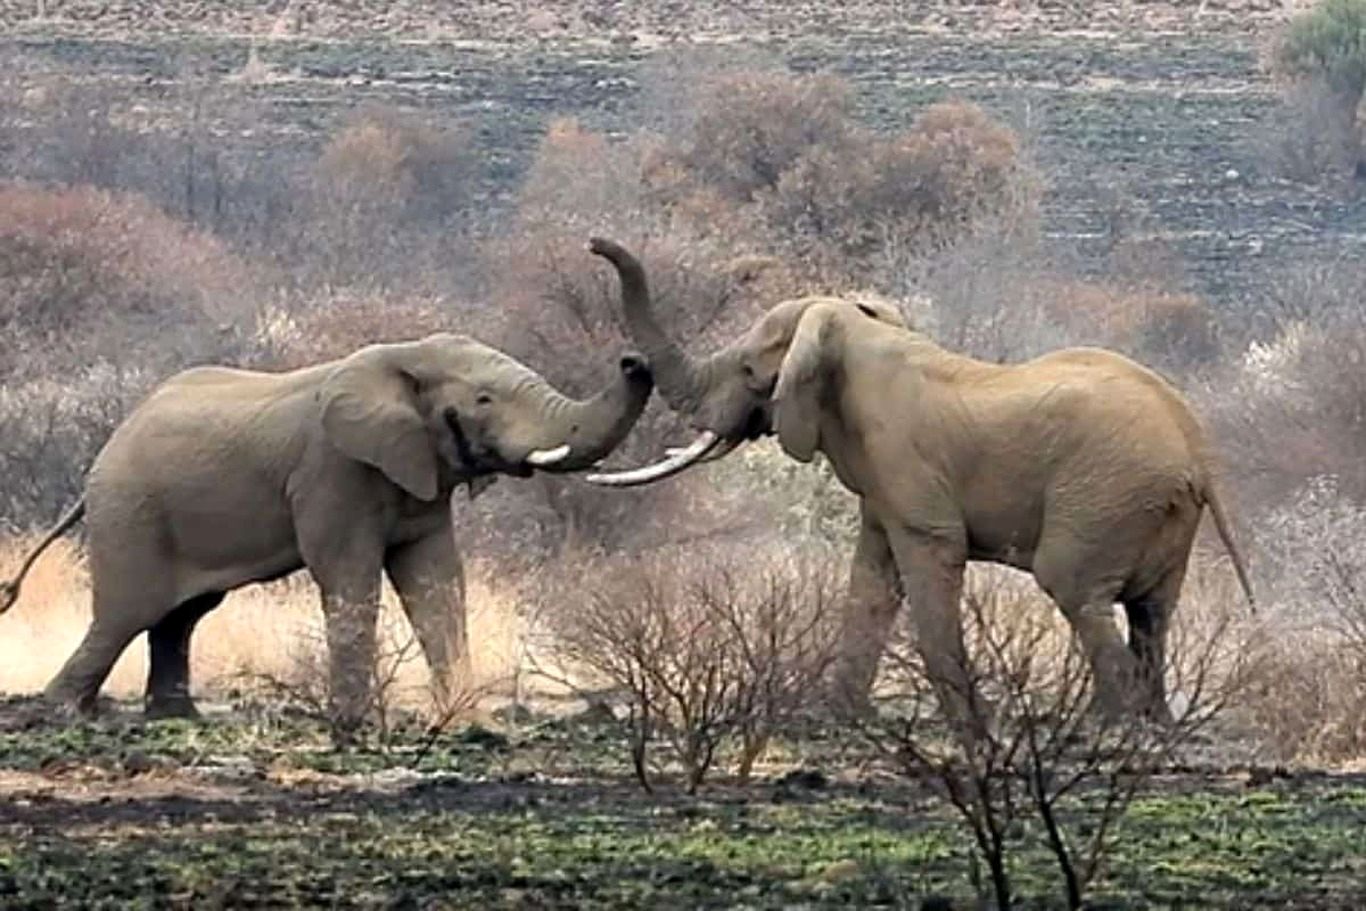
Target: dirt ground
<point>250,808</point>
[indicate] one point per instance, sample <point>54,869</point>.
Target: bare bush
<point>709,649</point>
<point>748,129</point>
<point>86,274</point>
<point>1031,746</point>
<point>1295,407</point>
<point>1322,52</point>
<point>1307,138</point>
<point>50,432</point>
<point>558,308</point>
<point>925,186</point>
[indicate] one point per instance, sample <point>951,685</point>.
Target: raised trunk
<point>678,376</point>
<point>593,427</point>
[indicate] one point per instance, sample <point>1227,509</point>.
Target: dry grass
<point>263,631</point>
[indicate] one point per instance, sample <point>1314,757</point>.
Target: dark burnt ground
<point>251,810</point>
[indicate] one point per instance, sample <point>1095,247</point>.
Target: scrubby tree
<point>1326,46</point>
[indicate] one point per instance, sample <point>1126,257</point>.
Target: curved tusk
<point>676,461</point>
<point>543,457</point>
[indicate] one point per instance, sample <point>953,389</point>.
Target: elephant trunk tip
<point>635,368</point>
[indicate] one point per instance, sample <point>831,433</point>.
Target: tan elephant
<point>1081,467</point>
<point>225,477</point>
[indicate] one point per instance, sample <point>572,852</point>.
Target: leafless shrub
<point>50,432</point>
<point>1031,746</point>
<point>1295,406</point>
<point>709,650</point>
<point>1321,56</point>
<point>336,322</point>
<point>558,309</point>
<point>749,128</point>
<point>1307,137</point>
<point>86,274</point>
<point>925,187</point>
<point>384,192</point>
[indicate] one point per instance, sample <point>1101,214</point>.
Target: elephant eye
<point>483,398</point>
<point>747,370</point>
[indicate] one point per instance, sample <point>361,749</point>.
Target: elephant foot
<point>72,706</point>
<point>177,705</point>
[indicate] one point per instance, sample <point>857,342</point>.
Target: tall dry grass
<point>264,631</point>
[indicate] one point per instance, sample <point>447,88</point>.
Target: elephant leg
<point>345,558</point>
<point>931,571</point>
<point>168,675</point>
<point>873,599</point>
<point>128,596</point>
<point>1150,615</point>
<point>77,684</point>
<point>430,582</point>
<point>1088,604</point>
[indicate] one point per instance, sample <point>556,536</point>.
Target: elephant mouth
<point>757,424</point>
<point>474,462</point>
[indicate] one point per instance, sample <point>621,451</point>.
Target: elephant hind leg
<point>1150,613</point>
<point>77,684</point>
<point>168,675</point>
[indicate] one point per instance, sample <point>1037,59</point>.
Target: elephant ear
<point>882,311</point>
<point>369,412</point>
<point>802,382</point>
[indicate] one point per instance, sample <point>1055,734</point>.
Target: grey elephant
<point>1081,467</point>
<point>223,477</point>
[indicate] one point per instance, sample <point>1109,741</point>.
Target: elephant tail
<point>9,590</point>
<point>1222,525</point>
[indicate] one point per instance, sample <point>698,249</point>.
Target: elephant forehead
<point>474,360</point>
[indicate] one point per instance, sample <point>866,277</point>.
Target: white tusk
<point>676,461</point>
<point>543,457</point>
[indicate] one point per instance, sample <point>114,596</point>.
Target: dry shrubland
<point>116,270</point>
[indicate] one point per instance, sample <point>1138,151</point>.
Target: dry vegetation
<point>704,605</point>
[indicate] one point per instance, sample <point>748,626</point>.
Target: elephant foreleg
<point>931,571</point>
<point>345,557</point>
<point>168,674</point>
<point>871,606</point>
<point>430,582</point>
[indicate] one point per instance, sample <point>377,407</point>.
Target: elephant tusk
<point>672,464</point>
<point>543,457</point>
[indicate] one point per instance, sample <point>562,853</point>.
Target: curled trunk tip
<point>675,374</point>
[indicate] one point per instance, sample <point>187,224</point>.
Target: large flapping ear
<point>802,379</point>
<point>369,412</point>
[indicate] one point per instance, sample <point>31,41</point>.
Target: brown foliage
<point>396,163</point>
<point>751,128</point>
<point>953,164</point>
<point>91,273</point>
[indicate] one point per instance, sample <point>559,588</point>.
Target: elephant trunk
<point>580,432</point>
<point>679,377</point>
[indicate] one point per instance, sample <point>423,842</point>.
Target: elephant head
<point>446,409</point>
<point>764,382</point>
